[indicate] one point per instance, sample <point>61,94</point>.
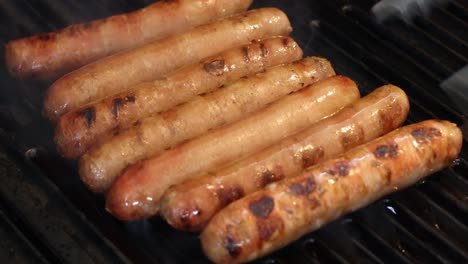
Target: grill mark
<point>233,248</point>
<point>269,176</point>
<point>230,194</point>
<point>245,52</point>
<point>89,114</point>
<point>303,188</point>
<point>310,156</point>
<point>262,207</point>
<point>386,151</point>
<point>351,137</point>
<point>130,99</point>
<point>116,104</point>
<point>266,228</point>
<point>264,50</point>
<point>285,41</point>
<point>215,67</point>
<point>342,168</point>
<point>425,135</point>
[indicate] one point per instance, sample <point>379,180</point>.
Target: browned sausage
<point>118,72</point>
<point>137,192</point>
<point>190,205</point>
<point>101,164</point>
<point>284,211</point>
<point>52,54</point>
<point>74,133</point>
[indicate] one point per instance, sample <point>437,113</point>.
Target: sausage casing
<point>118,72</point>
<point>136,193</point>
<point>101,164</point>
<point>75,133</point>
<point>282,212</point>
<point>49,55</point>
<point>374,115</point>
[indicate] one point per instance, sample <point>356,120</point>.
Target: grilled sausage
<point>190,205</point>
<point>100,165</point>
<point>49,55</point>
<point>136,193</point>
<point>74,134</point>
<point>118,72</point>
<point>282,212</point>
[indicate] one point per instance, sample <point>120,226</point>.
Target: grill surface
<point>47,215</point>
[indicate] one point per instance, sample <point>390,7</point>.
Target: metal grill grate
<point>47,215</point>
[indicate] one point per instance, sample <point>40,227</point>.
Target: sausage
<point>100,165</point>
<point>190,205</point>
<point>284,211</point>
<point>49,55</point>
<point>136,193</point>
<point>74,134</point>
<point>118,72</point>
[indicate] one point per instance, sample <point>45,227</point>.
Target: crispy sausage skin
<point>136,193</point>
<point>74,133</point>
<point>49,55</point>
<point>120,71</point>
<point>101,164</point>
<point>282,212</point>
<point>190,205</point>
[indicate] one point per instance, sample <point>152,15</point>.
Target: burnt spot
<point>116,104</point>
<point>89,114</point>
<point>245,52</point>
<point>264,50</point>
<point>311,156</point>
<point>303,188</point>
<point>266,228</point>
<point>285,41</point>
<point>233,248</point>
<point>87,25</point>
<point>342,168</point>
<point>425,134</point>
<point>229,194</point>
<point>269,176</point>
<point>130,99</point>
<point>215,67</point>
<point>44,37</point>
<point>262,207</point>
<point>386,151</point>
<point>137,123</point>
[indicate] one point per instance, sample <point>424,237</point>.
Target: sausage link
<point>190,205</point>
<point>284,211</point>
<point>136,193</point>
<point>74,133</point>
<point>100,165</point>
<point>49,55</point>
<point>120,71</point>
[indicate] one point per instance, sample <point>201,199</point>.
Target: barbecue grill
<point>47,214</point>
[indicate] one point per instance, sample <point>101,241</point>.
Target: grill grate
<point>47,215</point>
